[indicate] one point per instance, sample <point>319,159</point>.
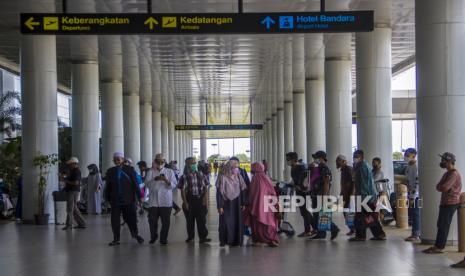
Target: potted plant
<point>44,164</point>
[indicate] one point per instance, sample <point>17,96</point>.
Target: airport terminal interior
<point>108,82</point>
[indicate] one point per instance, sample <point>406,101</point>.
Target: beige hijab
<point>229,184</point>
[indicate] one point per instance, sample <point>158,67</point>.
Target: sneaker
<point>205,240</point>
<point>139,239</point>
<point>67,227</point>
<point>355,239</point>
<point>317,237</point>
<point>334,234</point>
<point>163,243</point>
<point>113,243</point>
<point>413,239</point>
<point>189,240</point>
<point>380,238</point>
<point>350,233</point>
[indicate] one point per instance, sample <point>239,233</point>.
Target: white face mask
<point>406,159</point>
<point>356,160</point>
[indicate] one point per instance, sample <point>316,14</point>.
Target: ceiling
<point>225,70</point>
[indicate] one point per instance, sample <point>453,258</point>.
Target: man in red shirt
<point>451,187</point>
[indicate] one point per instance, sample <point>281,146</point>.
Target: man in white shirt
<point>160,183</point>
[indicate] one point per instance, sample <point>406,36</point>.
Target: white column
<point>171,139</point>
<point>164,136</point>
<point>338,97</point>
<point>85,92</point>
<point>39,107</point>
<point>85,103</point>
<point>131,98</point>
<point>203,134</point>
<point>315,93</point>
<point>145,80</point>
<point>440,29</point>
<point>269,146</point>
<point>281,160</point>
<point>281,153</point>
<point>146,132</point>
<point>374,97</point>
<point>288,105</point>
<point>156,114</point>
<point>298,82</point>
<point>157,132</point>
<point>274,144</point>
<point>112,97</point>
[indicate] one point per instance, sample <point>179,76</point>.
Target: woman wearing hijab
<point>231,200</point>
<point>94,187</point>
<point>262,222</point>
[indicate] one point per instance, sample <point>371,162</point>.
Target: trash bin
<point>59,199</point>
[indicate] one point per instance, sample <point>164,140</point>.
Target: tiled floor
<point>39,250</point>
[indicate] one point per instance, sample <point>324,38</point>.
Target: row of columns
<point>327,111</point>
<point>132,119</point>
<point>314,85</point>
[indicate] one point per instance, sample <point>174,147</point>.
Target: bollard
<point>461,223</point>
<point>402,206</point>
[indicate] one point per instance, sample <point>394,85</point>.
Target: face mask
<point>356,160</point>
<point>235,171</point>
<point>443,164</point>
<point>317,161</point>
<point>194,168</point>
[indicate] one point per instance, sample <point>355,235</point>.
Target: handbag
<point>324,221</point>
<point>370,219</point>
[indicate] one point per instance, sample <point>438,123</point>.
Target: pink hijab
<point>260,187</point>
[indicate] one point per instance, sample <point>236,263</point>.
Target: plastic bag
<point>325,221</point>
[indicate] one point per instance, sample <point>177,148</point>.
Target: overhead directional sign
<point>218,127</point>
<point>198,23</point>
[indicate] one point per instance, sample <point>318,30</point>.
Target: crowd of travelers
<point>125,190</point>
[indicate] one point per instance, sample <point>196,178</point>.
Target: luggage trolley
<point>285,189</point>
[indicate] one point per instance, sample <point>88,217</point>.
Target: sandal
<point>432,250</point>
<point>459,264</point>
<point>273,244</point>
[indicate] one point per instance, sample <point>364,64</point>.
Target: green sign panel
<point>193,23</point>
<point>218,127</point>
